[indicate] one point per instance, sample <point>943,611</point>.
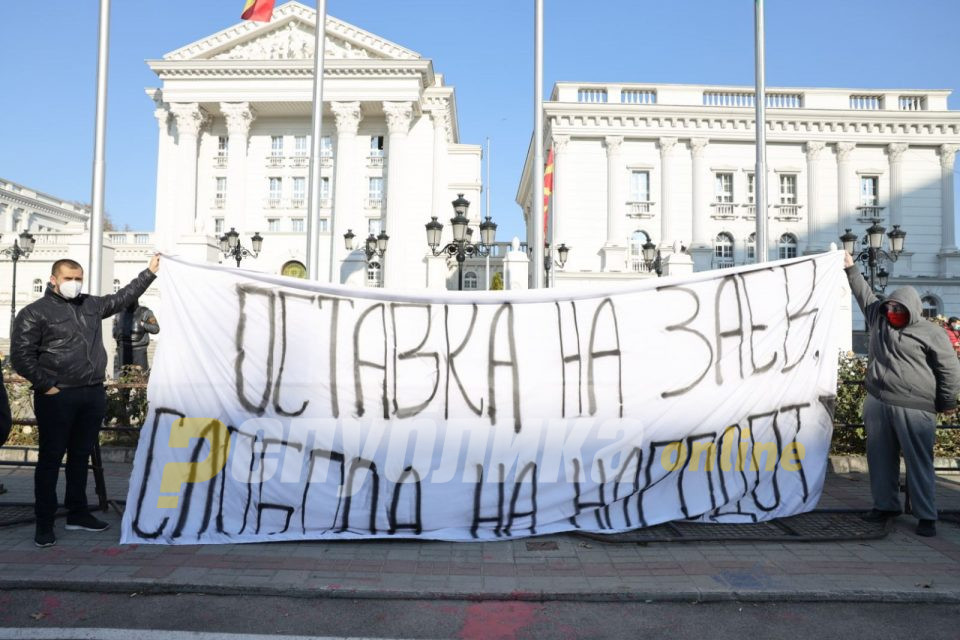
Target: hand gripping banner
<point>282,409</point>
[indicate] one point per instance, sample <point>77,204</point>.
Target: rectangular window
<point>273,224</point>
<point>375,190</point>
<point>276,146</point>
<point>296,225</point>
<point>869,188</point>
<point>326,147</point>
<point>374,225</point>
<point>324,225</point>
<point>376,146</point>
<point>276,192</point>
<point>640,186</point>
<point>299,191</point>
<point>300,145</point>
<point>222,149</point>
<point>325,188</point>
<point>788,188</point>
<point>751,196</point>
<point>724,187</point>
<point>218,225</point>
<point>220,194</point>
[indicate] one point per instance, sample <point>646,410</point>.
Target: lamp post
<point>231,248</point>
<point>21,249</point>
<point>563,251</point>
<point>373,247</point>
<point>461,247</point>
<point>873,256</point>
<point>651,258</point>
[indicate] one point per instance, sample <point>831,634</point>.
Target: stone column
<point>615,250</point>
<point>701,247</point>
<point>895,153</point>
<point>239,116</point>
<point>814,224</point>
<point>555,230</point>
<point>847,189</point>
<point>399,116</point>
<point>948,229</point>
<point>441,124</point>
<point>666,201</point>
<point>164,224</point>
<point>190,118</point>
<point>345,198</point>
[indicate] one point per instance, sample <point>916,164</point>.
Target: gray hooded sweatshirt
<point>914,367</point>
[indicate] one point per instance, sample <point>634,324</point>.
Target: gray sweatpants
<point>890,431</point>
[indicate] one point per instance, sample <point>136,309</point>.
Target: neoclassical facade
<point>676,162</point>
<point>234,118</point>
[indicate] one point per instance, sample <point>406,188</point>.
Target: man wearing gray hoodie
<point>912,374</point>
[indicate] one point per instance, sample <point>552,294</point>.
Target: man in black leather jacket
<point>132,330</point>
<point>57,345</point>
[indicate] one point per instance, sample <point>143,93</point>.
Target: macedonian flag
<point>258,10</point>
<point>547,192</point>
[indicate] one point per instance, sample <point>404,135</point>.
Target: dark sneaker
<point>927,528</point>
<point>45,538</point>
<point>878,515</point>
<point>85,522</point>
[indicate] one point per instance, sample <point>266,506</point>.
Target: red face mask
<point>898,319</point>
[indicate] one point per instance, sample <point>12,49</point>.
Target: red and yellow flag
<point>547,191</point>
<point>258,10</point>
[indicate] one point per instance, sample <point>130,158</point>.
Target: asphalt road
<point>35,614</point>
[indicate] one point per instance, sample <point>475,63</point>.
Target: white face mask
<point>70,289</point>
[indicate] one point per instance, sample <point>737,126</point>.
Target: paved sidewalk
<point>901,567</point>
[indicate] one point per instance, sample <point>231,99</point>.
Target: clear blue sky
<point>484,49</point>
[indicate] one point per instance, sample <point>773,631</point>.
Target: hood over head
<point>909,298</point>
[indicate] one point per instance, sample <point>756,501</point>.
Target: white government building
<point>668,163</point>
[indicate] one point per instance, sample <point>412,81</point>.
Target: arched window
<point>116,285</point>
<point>38,286</point>
<point>294,269</point>
<point>931,306</point>
<point>787,246</point>
<point>470,280</point>
<point>374,275</point>
<point>723,250</point>
<point>752,247</point>
<point>637,239</point>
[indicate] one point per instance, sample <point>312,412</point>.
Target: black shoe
<point>927,528</point>
<point>85,522</point>
<point>878,515</point>
<point>44,537</point>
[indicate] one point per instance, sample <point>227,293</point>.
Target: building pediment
<point>290,36</point>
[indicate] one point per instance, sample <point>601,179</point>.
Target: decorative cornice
<point>239,117</point>
<point>844,149</point>
<point>399,115</point>
<point>190,117</point>
<point>814,150</point>
<point>281,69</point>
<point>896,150</point>
<point>28,203</point>
<point>347,115</point>
<point>698,146</point>
<point>948,155</point>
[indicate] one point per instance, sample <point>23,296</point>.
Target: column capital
<point>698,146</point>
<point>190,117</point>
<point>895,150</point>
<point>239,117</point>
<point>814,149</point>
<point>559,143</point>
<point>667,145</point>
<point>347,115</point>
<point>399,115</point>
<point>162,114</point>
<point>844,149</point>
<point>613,144</point>
<point>948,155</point>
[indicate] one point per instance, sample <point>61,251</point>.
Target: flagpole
<point>313,195</point>
<point>536,210</point>
<point>760,103</point>
<point>95,268</point>
<point>487,185</point>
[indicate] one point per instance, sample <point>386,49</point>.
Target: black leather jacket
<point>58,342</point>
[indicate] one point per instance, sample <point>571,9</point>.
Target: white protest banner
<point>282,409</point>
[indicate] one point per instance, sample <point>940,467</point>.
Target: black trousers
<point>68,422</point>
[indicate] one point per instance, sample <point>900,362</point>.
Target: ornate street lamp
<point>373,246</point>
<point>563,251</point>
<point>230,246</point>
<point>21,249</point>
<point>462,246</point>
<point>651,257</point>
<point>873,255</point>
